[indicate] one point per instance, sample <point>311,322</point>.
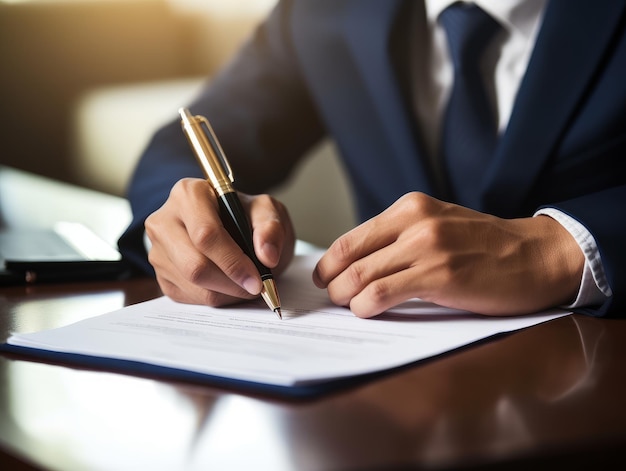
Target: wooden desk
<point>550,395</point>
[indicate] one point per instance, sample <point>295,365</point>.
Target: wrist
<point>562,257</point>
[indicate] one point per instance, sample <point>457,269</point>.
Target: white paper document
<point>315,342</point>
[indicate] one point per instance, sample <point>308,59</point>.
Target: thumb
<point>272,230</point>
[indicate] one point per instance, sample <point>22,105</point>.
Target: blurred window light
<point>218,7</point>
<point>58,1</point>
<point>225,7</point>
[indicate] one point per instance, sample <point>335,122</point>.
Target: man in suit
<point>535,219</point>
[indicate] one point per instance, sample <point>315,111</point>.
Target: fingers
<point>386,277</point>
<point>194,257</point>
<point>187,275</point>
<point>182,291</point>
<point>384,293</point>
<point>356,245</point>
<point>361,269</point>
<point>410,250</point>
<point>189,240</point>
<point>359,274</point>
<point>385,229</point>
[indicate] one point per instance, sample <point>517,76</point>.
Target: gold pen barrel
<point>209,155</point>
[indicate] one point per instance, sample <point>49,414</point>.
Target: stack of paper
<point>316,342</point>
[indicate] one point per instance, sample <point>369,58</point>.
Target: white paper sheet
<point>315,342</point>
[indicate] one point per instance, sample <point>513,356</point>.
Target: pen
<point>213,161</point>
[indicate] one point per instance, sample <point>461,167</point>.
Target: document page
<point>315,342</point>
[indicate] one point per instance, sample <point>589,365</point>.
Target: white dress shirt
<point>505,61</point>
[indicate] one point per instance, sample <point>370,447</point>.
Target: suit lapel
<point>381,52</point>
<point>562,64</point>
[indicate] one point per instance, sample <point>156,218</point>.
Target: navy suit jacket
<point>340,68</point>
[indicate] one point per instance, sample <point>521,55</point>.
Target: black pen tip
<point>278,313</point>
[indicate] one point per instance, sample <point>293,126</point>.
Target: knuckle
<point>153,258</point>
<point>212,298</point>
<point>272,225</point>
<point>277,210</point>
<point>194,270</point>
<point>189,189</point>
<point>180,188</point>
<point>373,300</point>
<point>151,225</point>
<point>150,222</point>
<point>266,200</point>
<point>356,275</point>
<point>205,236</point>
<point>431,233</point>
<point>415,203</point>
<point>342,249</point>
<point>232,266</point>
<point>184,185</point>
<point>176,293</point>
<point>169,289</point>
<point>378,293</point>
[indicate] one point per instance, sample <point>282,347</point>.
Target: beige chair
<point>112,125</point>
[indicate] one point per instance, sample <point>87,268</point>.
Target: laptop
<point>67,252</point>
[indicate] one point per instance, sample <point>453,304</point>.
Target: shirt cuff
<point>594,287</point>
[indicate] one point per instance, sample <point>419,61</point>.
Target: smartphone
<point>69,251</point>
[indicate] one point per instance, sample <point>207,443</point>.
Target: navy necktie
<point>469,131</point>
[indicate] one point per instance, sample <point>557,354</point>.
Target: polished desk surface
<point>549,395</point>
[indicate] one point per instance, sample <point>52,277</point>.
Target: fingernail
<point>316,279</point>
<point>252,285</point>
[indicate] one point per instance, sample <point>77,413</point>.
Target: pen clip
<point>216,146</point>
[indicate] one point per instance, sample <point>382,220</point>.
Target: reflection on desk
<point>551,394</point>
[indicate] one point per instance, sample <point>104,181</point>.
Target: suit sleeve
<point>261,111</point>
<point>604,215</point>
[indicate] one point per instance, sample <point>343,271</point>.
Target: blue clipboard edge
<point>150,371</point>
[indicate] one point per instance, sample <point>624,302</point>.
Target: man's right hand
<point>195,259</point>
